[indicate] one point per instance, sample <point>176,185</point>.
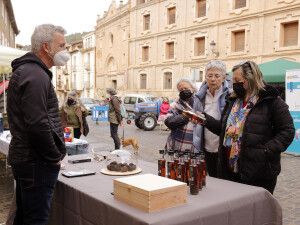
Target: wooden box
<point>150,192</point>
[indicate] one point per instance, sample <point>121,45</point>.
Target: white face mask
<point>61,58</point>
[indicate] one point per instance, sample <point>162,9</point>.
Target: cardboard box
<point>150,192</point>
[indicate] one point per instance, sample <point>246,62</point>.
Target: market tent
<point>274,71</point>
<point>7,55</point>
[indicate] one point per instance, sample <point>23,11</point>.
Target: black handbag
<point>86,128</point>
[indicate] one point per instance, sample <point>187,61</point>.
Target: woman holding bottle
<point>255,127</point>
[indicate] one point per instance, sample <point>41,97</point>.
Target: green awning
<point>274,71</point>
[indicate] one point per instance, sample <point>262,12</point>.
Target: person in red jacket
<point>164,109</point>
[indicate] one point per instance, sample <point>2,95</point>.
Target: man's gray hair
<point>216,64</point>
<point>111,91</point>
<point>186,80</point>
<point>44,34</point>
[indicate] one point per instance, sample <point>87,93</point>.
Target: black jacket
<point>33,114</point>
<point>268,131</point>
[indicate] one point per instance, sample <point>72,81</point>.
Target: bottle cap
<point>162,151</point>
<point>171,152</point>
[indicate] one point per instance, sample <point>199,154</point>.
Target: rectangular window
<point>238,41</point>
<point>171,15</point>
<point>289,35</point>
<point>168,80</point>
<point>170,50</point>
<point>114,84</point>
<point>199,46</point>
<point>200,8</point>
<point>126,100</point>
<point>239,4</point>
<point>197,75</point>
<point>147,22</point>
<point>143,81</point>
<point>145,53</point>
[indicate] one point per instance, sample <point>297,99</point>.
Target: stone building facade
<point>8,25</point>
<point>112,49</point>
<point>88,57</point>
<point>170,39</point>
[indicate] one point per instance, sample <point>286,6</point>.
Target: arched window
<point>143,81</point>
<point>111,65</point>
<point>111,38</point>
<point>167,80</point>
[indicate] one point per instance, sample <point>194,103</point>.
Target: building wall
<point>88,54</point>
<point>112,34</point>
<point>261,21</point>
<point>7,26</point>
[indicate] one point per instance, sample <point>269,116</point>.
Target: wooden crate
<point>150,192</point>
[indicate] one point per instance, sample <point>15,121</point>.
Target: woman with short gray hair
<point>210,99</point>
<point>181,137</point>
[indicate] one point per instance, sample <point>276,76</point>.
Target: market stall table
<point>89,201</point>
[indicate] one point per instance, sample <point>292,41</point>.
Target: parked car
<point>89,104</point>
<point>145,109</point>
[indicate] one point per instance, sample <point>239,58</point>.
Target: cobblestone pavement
<point>287,191</point>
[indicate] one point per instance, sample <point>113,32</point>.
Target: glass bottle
<point>187,165</point>
<point>176,163</point>
<point>162,164</point>
<point>180,168</point>
<point>198,163</point>
<point>170,165</point>
<point>194,178</point>
<point>203,168</point>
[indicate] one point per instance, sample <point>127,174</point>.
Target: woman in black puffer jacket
<point>254,129</point>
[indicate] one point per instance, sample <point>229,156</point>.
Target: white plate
<point>115,173</point>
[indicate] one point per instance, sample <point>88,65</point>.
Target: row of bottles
<point>185,167</point>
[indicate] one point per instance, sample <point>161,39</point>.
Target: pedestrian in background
<point>114,115</point>
<point>164,109</point>
<point>73,114</point>
<point>211,100</point>
<point>37,145</point>
<point>181,136</point>
<point>255,127</point>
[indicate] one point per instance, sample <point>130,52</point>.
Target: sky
<point>73,15</point>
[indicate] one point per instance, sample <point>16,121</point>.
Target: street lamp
<point>213,48</point>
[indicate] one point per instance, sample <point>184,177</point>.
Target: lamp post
<point>213,49</point>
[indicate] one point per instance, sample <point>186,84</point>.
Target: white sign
<point>292,80</point>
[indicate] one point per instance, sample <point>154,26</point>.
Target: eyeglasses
<point>211,76</point>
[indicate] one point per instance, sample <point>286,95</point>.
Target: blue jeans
<point>35,184</point>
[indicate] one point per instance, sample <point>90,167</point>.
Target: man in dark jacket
<point>114,116</point>
<point>37,144</point>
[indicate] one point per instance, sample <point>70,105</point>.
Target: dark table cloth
<point>88,201</point>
